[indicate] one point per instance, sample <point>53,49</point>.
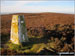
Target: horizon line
<point>34,12</point>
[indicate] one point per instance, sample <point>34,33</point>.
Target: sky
<point>15,6</point>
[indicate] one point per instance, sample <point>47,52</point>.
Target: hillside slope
<point>38,20</point>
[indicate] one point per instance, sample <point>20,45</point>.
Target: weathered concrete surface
<point>18,30</point>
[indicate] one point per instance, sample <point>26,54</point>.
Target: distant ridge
<point>31,13</point>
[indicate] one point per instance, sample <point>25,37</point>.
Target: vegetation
<point>53,40</point>
<point>48,34</point>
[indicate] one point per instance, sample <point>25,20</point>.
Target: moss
<point>18,48</point>
<point>12,46</point>
<point>36,48</point>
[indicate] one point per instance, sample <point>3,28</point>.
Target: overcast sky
<point>37,6</point>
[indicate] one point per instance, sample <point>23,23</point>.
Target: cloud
<point>17,6</point>
<point>22,6</point>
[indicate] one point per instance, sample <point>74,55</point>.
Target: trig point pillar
<point>18,30</point>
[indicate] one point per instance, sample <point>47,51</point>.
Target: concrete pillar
<point>18,30</point>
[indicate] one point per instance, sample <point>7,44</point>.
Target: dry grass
<point>43,31</point>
